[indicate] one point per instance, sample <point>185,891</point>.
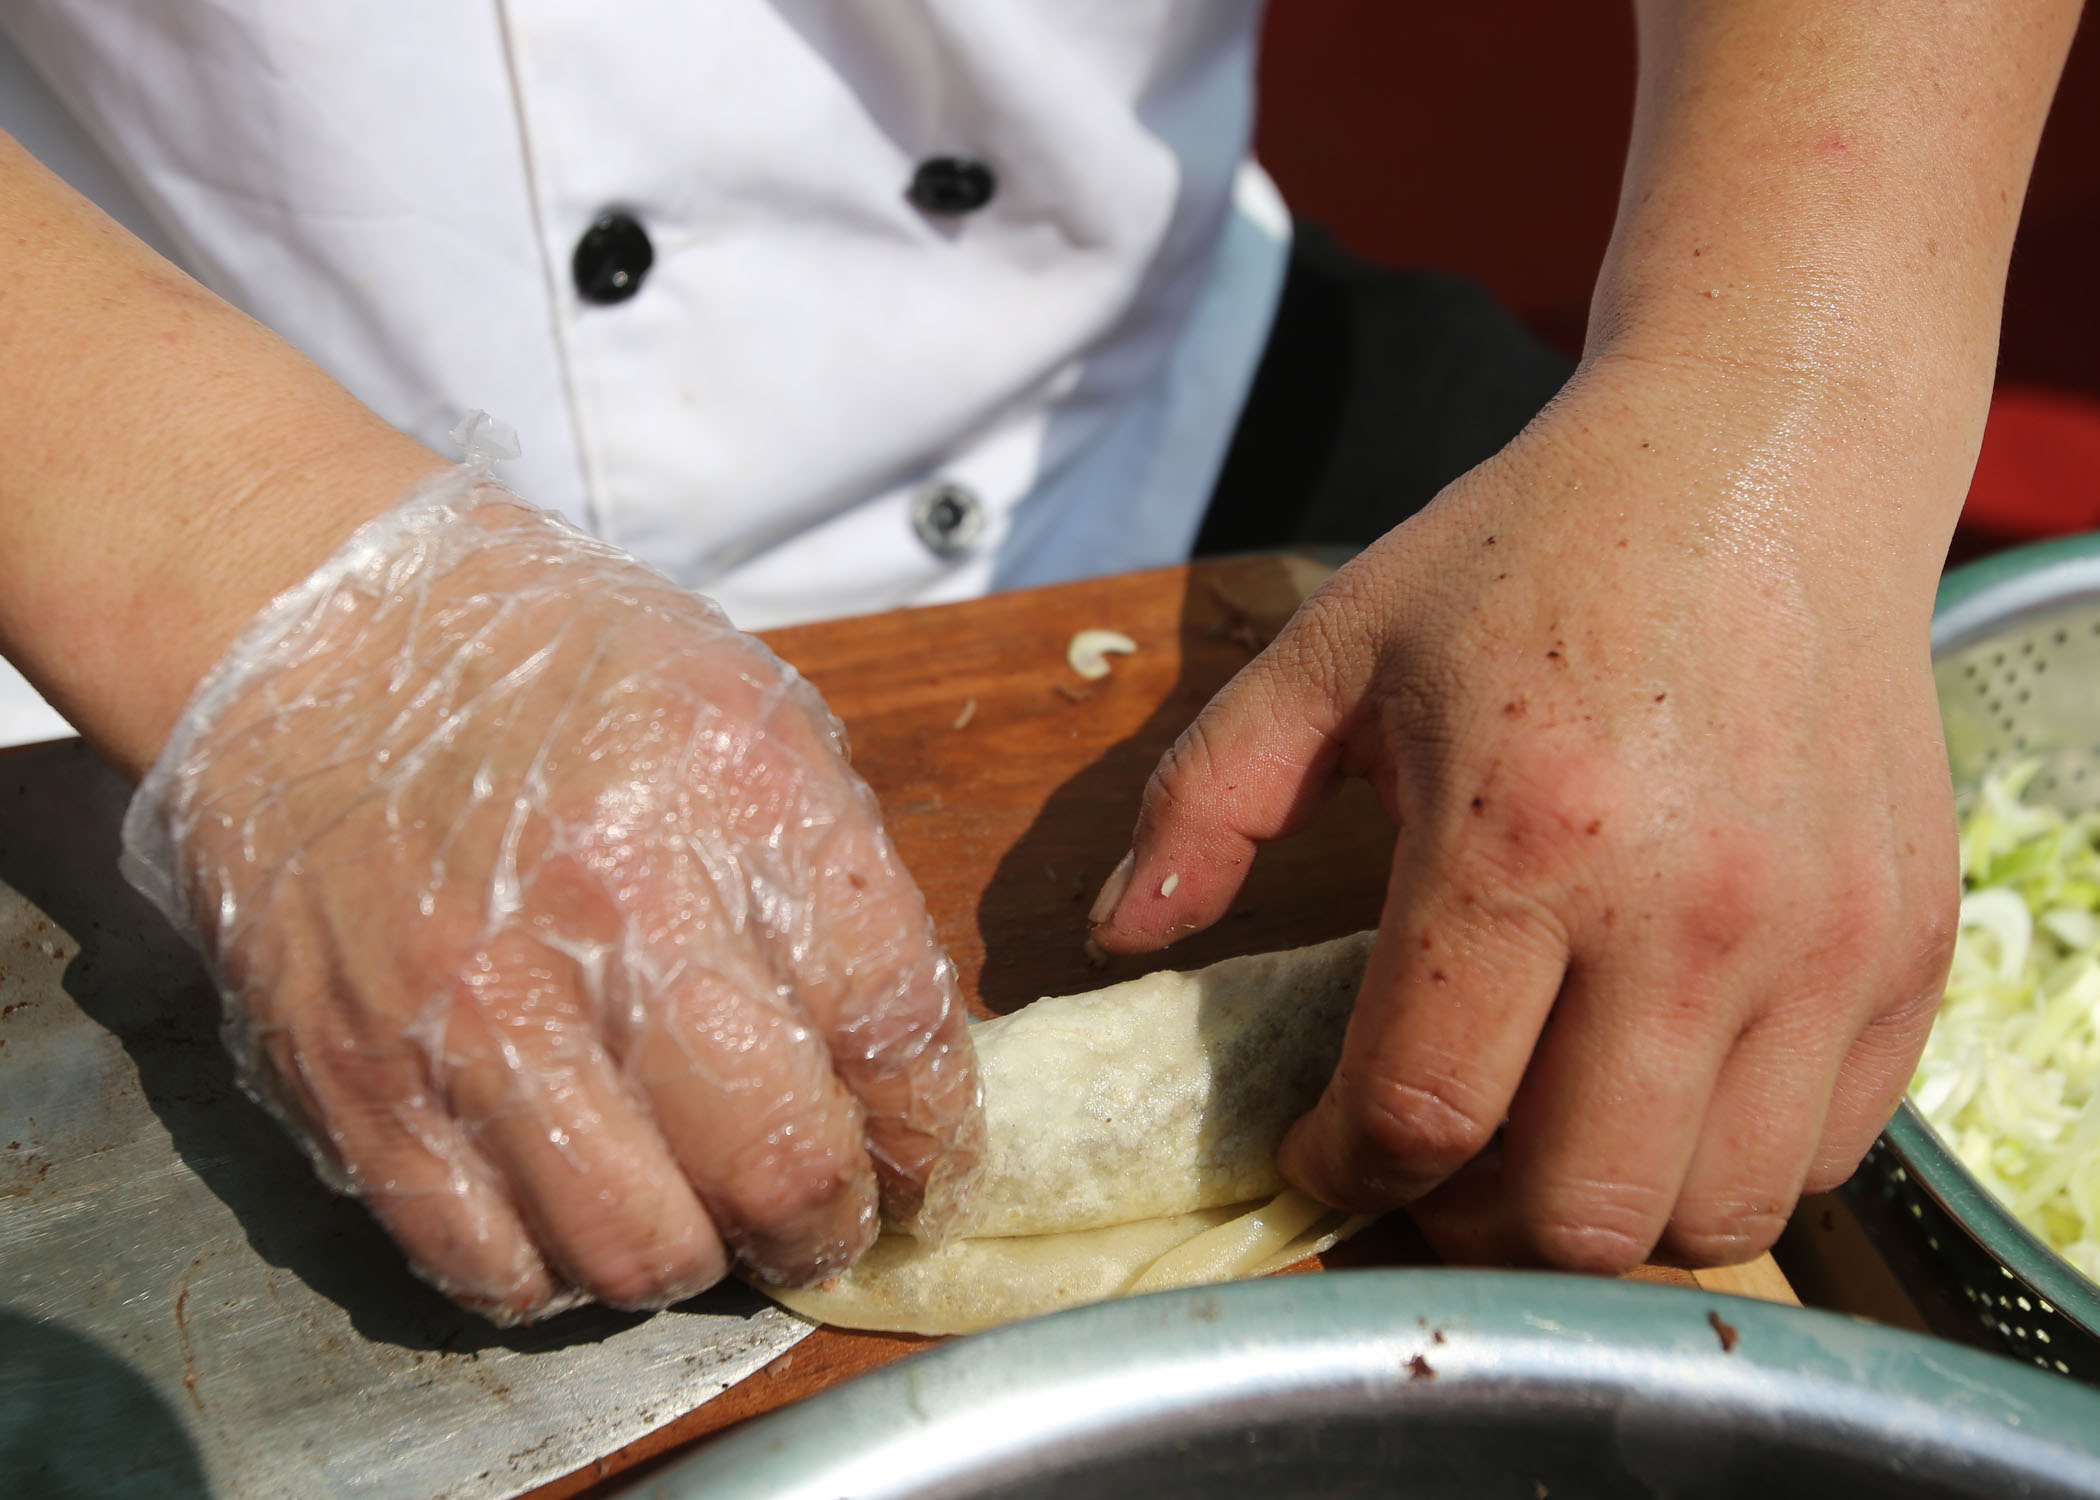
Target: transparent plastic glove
<point>551,920</point>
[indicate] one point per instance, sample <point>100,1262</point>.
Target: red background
<point>1487,138</point>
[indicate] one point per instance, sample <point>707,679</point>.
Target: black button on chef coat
<point>611,259</point>
<point>948,517</point>
<point>951,185</point>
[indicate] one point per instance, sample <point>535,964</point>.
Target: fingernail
<point>1112,890</point>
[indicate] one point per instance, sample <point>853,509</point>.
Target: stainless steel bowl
<point>1421,1384</point>
<point>2016,655</point>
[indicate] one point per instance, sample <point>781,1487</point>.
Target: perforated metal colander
<point>2016,654</point>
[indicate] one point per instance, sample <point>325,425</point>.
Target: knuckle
<point>1607,1229</point>
<point>1185,767</point>
<point>1885,1052</point>
<point>1543,818</point>
<point>916,1111</point>
<point>1722,902</point>
<point>1597,1249</point>
<point>614,1279</point>
<point>905,1017</point>
<point>1932,929</point>
<point>1903,1027</point>
<point>1837,1158</point>
<point>1861,920</point>
<point>1725,1234</point>
<point>782,1198</point>
<point>628,1257</point>
<point>1829,1176</point>
<point>458,1250</point>
<point>1328,629</point>
<point>1490,900</point>
<point>1521,830</point>
<point>644,1276</point>
<point>1428,1127</point>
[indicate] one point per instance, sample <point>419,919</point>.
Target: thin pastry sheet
<point>1130,1143</point>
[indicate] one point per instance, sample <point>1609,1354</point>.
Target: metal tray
<point>185,1311</point>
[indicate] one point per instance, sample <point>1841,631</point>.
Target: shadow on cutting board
<point>1323,882</point>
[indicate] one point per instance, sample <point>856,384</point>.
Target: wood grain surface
<point>1010,787</point>
<point>1012,821</point>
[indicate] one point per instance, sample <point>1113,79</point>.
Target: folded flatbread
<point>1130,1145</point>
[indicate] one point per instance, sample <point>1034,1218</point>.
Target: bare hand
<point>1674,892</point>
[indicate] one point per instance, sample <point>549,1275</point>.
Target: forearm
<point>166,466</point>
<point>1819,207</point>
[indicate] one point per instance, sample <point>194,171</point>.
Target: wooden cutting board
<point>1010,787</point>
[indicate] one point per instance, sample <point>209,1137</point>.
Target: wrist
<point>121,656</point>
<point>1847,344</point>
<point>166,466</point>
<point>1812,239</point>
<point>1763,459</point>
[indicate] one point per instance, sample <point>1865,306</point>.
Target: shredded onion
<point>1089,651</point>
<point>2011,1074</point>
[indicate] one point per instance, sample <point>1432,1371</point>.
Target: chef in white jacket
<point>545,907</point>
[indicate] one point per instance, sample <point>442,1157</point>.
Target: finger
<point>1871,1082</point>
<point>1258,763</point>
<point>849,933</point>
<point>875,980</point>
<point>1459,983</point>
<point>1878,1066</point>
<point>1464,1218</point>
<point>517,1053</point>
<point>442,1202</point>
<point>1606,1121</point>
<point>743,1090</point>
<point>1757,1141</point>
<point>444,1205</point>
<point>700,872</point>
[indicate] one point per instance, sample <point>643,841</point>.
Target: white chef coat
<point>399,187</point>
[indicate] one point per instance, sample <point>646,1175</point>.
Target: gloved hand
<point>550,918</point>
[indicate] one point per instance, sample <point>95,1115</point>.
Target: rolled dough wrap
<point>1130,1144</point>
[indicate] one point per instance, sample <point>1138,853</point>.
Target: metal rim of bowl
<point>1918,1150</point>
<point>984,1410</point>
<point>1976,600</point>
